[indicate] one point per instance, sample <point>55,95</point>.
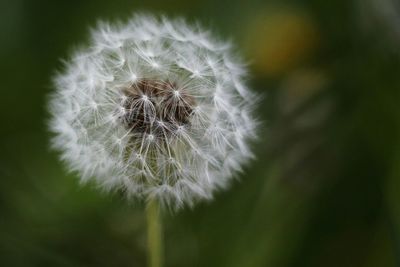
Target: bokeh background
<point>324,190</point>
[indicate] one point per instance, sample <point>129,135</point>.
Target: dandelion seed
<point>155,109</point>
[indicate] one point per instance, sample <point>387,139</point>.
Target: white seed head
<point>154,108</point>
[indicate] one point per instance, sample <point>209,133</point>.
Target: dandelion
<point>153,108</point>
<point>156,109</point>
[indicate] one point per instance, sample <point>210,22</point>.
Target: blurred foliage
<point>324,191</point>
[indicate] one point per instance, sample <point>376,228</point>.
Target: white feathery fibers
<point>154,108</point>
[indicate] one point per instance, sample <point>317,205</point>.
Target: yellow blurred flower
<point>278,41</point>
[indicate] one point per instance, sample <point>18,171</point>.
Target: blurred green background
<point>324,190</point>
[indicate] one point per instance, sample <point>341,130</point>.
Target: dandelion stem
<point>154,234</point>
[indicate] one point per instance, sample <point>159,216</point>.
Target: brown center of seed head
<point>156,107</point>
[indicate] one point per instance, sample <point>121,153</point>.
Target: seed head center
<point>157,108</point>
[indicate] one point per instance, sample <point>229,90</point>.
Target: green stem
<point>154,234</point>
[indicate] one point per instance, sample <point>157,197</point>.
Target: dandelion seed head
<point>154,108</point>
